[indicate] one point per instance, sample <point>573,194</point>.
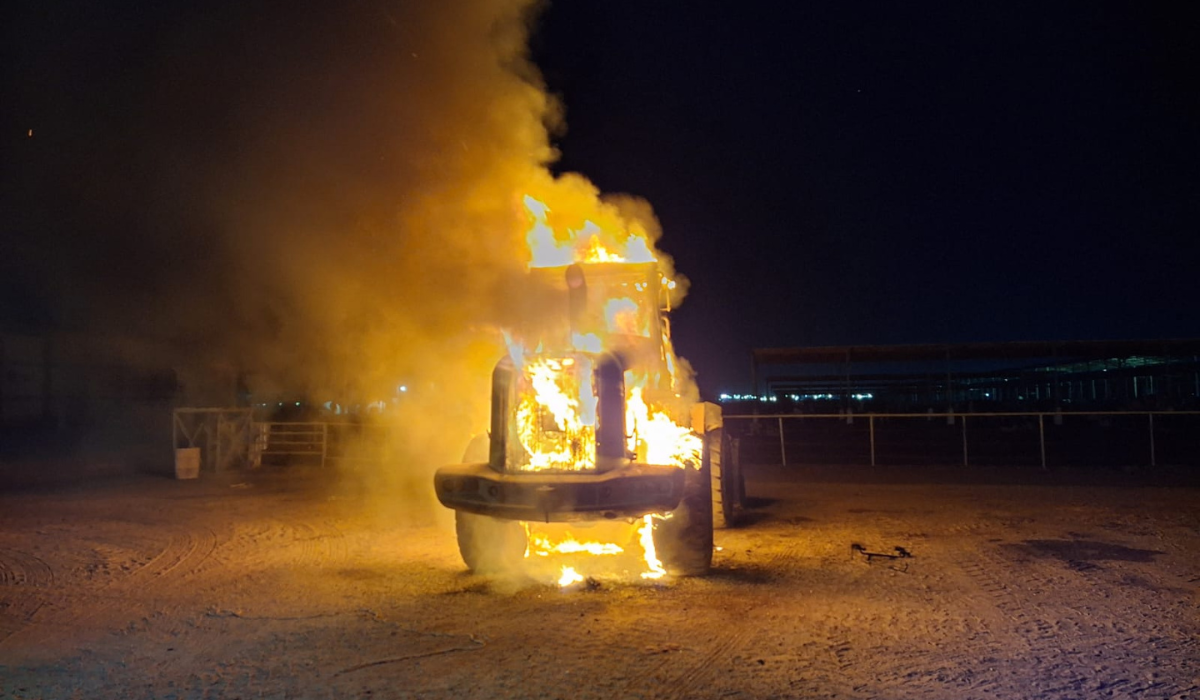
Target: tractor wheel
<point>728,484</point>
<point>684,540</point>
<point>490,545</point>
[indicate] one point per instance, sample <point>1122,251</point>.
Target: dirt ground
<point>289,586</point>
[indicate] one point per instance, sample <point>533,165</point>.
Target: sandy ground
<point>281,586</point>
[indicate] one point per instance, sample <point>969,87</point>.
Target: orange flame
<point>557,403</point>
<point>588,244</point>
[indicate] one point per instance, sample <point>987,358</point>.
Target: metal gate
<point>227,437</point>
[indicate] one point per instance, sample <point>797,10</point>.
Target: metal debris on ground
<point>896,553</point>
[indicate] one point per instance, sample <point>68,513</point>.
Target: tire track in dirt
<point>310,542</point>
<point>23,569</point>
<point>1052,637</point>
<point>322,542</point>
<point>184,552</point>
<point>23,580</point>
<point>180,555</point>
<point>694,679</point>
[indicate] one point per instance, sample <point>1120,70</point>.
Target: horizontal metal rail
<point>952,417</point>
<point>968,414</point>
<point>322,439</point>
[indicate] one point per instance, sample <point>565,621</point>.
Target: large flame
<point>612,548</point>
<point>556,414</point>
<point>557,402</point>
<point>655,438</point>
<point>540,544</point>
<point>590,243</point>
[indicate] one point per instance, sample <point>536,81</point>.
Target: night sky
<point>825,173</point>
<point>875,173</point>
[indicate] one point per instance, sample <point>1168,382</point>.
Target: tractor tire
<point>684,540</point>
<point>728,483</point>
<point>490,545</point>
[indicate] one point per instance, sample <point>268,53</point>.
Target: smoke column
<point>326,199</point>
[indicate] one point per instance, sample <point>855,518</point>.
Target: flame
<point>590,243</point>
<point>621,316</point>
<point>556,400</point>
<point>655,438</point>
<point>589,342</point>
<point>556,414</point>
<point>614,549</point>
<point>541,545</point>
<point>646,537</point>
<point>569,577</point>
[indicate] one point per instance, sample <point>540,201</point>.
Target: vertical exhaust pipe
<point>576,297</point>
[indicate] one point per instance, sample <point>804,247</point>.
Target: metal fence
<point>323,443</point>
<point>1047,439</point>
<point>225,436</point>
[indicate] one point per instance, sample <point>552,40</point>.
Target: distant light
<point>403,388</point>
<point>30,134</point>
<point>297,403</point>
<point>724,397</point>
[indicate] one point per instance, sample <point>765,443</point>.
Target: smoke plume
<point>327,200</point>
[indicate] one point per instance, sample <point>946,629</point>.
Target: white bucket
<point>187,463</point>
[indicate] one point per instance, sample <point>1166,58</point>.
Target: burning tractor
<point>588,424</point>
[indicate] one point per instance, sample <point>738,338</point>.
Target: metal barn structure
<point>1009,376</point>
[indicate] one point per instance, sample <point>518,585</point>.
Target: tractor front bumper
<point>626,492</point>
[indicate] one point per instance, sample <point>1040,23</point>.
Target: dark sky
<point>865,173</point>
<point>825,173</point>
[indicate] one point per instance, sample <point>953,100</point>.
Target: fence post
<point>1153,462</point>
<point>966,463</point>
<point>782,447</point>
<point>1042,437</point>
<point>324,443</point>
<point>871,424</point>
<point>218,466</point>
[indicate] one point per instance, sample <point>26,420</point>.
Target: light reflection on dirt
<point>153,588</point>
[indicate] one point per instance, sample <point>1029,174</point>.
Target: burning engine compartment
<point>594,428</point>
